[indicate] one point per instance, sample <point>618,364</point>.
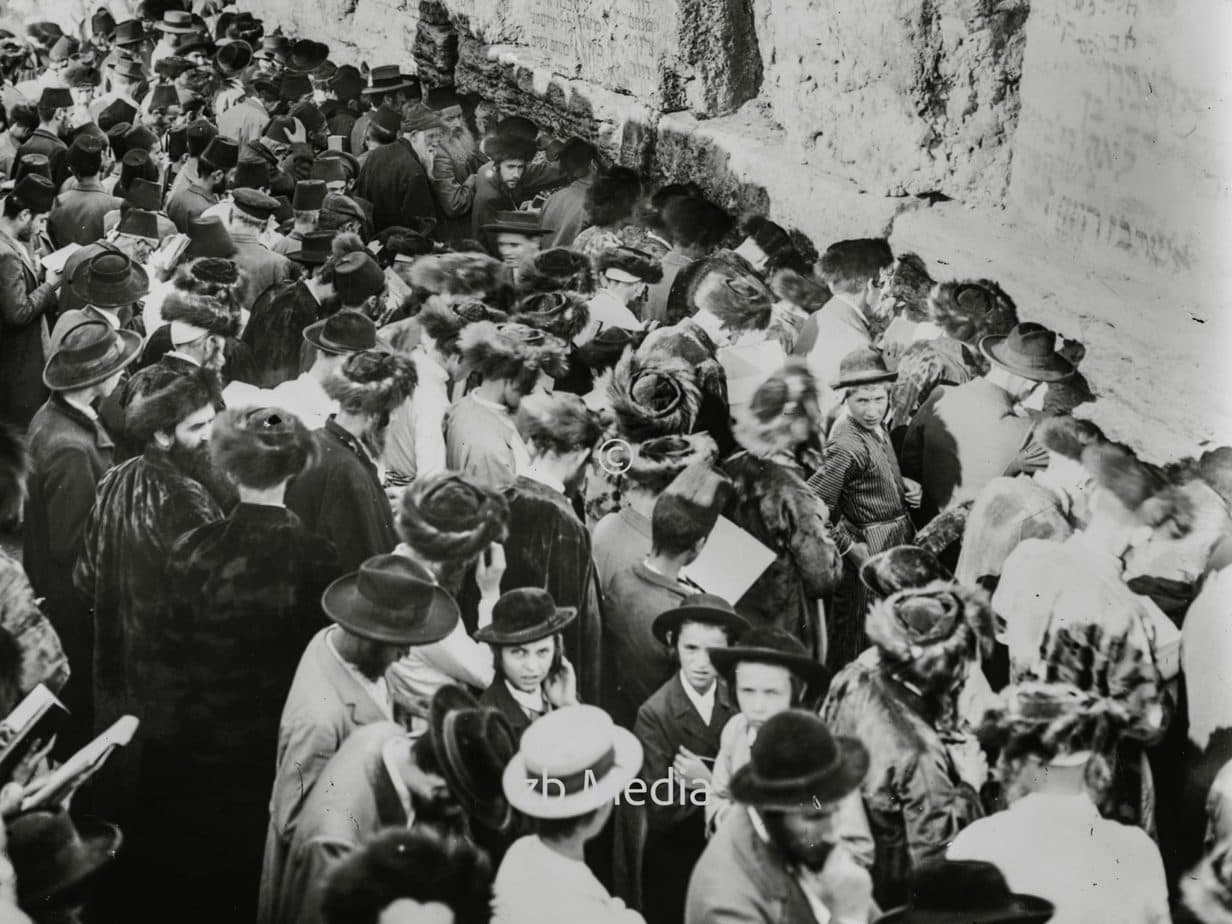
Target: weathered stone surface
<point>436,53</point>
<point>1122,146</point>
<point>376,31</point>
<point>902,96</point>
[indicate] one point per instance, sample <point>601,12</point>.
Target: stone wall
<point>1075,150</point>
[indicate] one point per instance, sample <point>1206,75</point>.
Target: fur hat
<point>782,414</point>
<point>655,463</point>
<point>216,276</point>
<point>633,262</point>
<point>501,147</point>
<point>459,274</point>
<point>1207,889</point>
<point>503,351</point>
<point>162,397</point>
<point>208,314</point>
<point>906,287</point>
<point>443,321</point>
<point>601,353</point>
<point>807,293</point>
<point>613,196</point>
<point>260,447</point>
<point>1051,721</point>
<point>659,397</point>
<point>448,517</point>
<point>697,222</point>
<point>557,422</point>
<point>741,303</point>
<point>970,309</point>
<point>930,631</point>
<point>561,314</point>
<point>558,269</point>
<point>371,382</point>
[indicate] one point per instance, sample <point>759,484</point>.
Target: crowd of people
<point>479,530</point>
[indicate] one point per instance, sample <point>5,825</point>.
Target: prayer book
<point>30,726</point>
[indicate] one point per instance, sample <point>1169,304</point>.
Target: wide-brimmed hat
<point>110,280</point>
<point>387,78</point>
<point>795,764</point>
<point>473,746</point>
<point>966,892</point>
<point>345,331</point>
<point>707,608</point>
<point>307,55</point>
<point>88,353</point>
<point>315,248</point>
<point>864,366</point>
<point>524,615</point>
<point>129,32</point>
<point>53,857</point>
<point>570,762</point>
<point>177,22</point>
<point>391,599</point>
<point>1028,351</point>
<point>902,567</point>
<point>233,56</point>
<point>771,645</point>
<point>518,222</point>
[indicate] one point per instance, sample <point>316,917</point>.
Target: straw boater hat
<point>931,629</point>
<point>525,615</point>
<point>571,762</point>
<point>473,746</point>
<point>474,274</point>
<point>1028,351</point>
<point>658,397</point>
<point>447,517</point>
<point>261,446</point>
<point>391,599</point>
<point>504,351</point>
<point>966,892</point>
<point>771,645</point>
<point>561,314</point>
<point>371,382</point>
<point>558,269</point>
<point>710,609</point>
<point>656,462</point>
<point>783,413</point>
<point>863,366</point>
<point>901,568</point>
<point>89,353</point>
<point>796,764</point>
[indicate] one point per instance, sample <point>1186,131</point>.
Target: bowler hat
<point>35,192</point>
<point>387,78</point>
<point>391,599</point>
<point>520,222</point>
<point>347,83</point>
<point>89,352</point>
<point>863,366</point>
<point>208,237</point>
<point>345,331</point>
<point>309,195</point>
<point>771,645</point>
<point>523,615</point>
<point>796,764</point>
<point>176,22</point>
<point>143,194</point>
<point>140,223</point>
<point>900,568</point>
<point>51,855</point>
<point>706,608</point>
<point>222,153</point>
<point>55,98</point>
<point>1029,351</point>
<point>233,56</point>
<point>315,248</point>
<point>307,55</point>
<point>965,892</point>
<point>473,746</point>
<point>110,280</point>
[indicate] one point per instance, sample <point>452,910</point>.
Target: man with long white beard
<point>456,160</point>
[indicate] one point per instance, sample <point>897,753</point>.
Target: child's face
<point>527,666</point>
<point>762,691</point>
<point>692,647</point>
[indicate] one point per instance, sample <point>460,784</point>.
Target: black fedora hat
<point>110,280</point>
<point>708,608</point>
<point>54,858</point>
<point>307,55</point>
<point>315,248</point>
<point>966,892</point>
<point>865,366</point>
<point>1028,351</point>
<point>129,32</point>
<point>473,746</point>
<point>524,615</point>
<point>345,331</point>
<point>900,568</point>
<point>391,599</point>
<point>796,763</point>
<point>387,78</point>
<point>88,353</point>
<point>518,222</point>
<point>771,645</point>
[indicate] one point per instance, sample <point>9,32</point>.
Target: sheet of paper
<point>730,562</point>
<point>747,366</point>
<point>54,262</point>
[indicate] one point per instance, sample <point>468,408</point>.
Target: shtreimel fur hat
<point>741,303</point>
<point>260,447</point>
<point>503,351</point>
<point>372,382</point>
<point>561,314</point>
<point>659,397</point>
<point>459,274</point>
<point>448,517</point>
<point>782,414</point>
<point>209,313</point>
<point>558,270</point>
<point>162,397</point>
<point>655,463</point>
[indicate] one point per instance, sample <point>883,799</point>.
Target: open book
<point>68,778</point>
<point>30,726</point>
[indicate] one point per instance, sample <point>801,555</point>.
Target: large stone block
<point>901,96</point>
<point>376,31</point>
<point>1122,146</point>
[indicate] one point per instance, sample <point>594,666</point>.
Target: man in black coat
<point>392,178</point>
